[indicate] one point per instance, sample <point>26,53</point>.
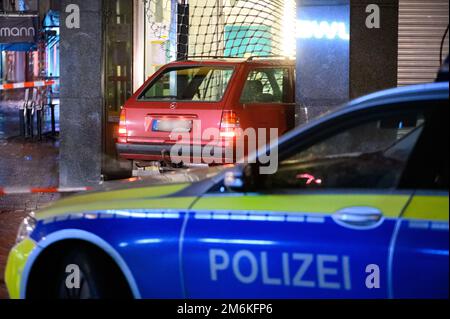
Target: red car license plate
<point>182,126</point>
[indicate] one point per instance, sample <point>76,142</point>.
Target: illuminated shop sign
<point>18,28</point>
<point>327,30</point>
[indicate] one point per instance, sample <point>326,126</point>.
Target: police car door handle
<point>359,217</point>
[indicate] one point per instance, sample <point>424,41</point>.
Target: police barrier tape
<point>37,190</point>
<point>24,85</point>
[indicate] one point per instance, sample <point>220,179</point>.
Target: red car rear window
<point>197,84</point>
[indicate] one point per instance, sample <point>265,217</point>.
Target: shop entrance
<point>118,53</point>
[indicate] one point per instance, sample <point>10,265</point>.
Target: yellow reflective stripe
<point>433,208</point>
<point>181,203</point>
<point>390,205</point>
<point>16,264</point>
<point>123,194</point>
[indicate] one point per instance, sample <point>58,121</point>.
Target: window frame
<point>341,122</point>
<point>411,178</point>
<point>285,94</point>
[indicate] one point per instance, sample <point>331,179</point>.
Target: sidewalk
<point>23,163</point>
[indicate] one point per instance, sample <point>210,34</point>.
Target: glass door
<point>118,54</point>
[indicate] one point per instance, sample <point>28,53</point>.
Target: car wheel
<point>61,267</point>
<point>81,276</point>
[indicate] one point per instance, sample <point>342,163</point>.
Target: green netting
<point>231,28</point>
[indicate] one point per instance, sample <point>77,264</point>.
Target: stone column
<point>374,51</point>
<point>81,96</point>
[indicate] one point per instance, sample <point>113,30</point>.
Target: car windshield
<point>197,84</point>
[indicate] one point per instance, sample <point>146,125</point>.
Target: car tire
<point>83,275</point>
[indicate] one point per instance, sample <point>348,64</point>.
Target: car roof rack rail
<point>199,57</point>
<point>218,57</point>
<point>252,58</point>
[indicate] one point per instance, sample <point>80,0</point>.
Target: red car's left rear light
<point>229,125</point>
<point>123,132</point>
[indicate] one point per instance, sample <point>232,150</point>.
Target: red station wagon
<point>195,96</point>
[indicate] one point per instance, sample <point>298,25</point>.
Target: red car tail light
<point>229,125</point>
<point>123,132</point>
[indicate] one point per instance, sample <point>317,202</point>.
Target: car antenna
<point>442,45</point>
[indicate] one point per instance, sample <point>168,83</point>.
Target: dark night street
<point>22,162</point>
<point>232,157</point>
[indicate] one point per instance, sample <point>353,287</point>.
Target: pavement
<point>23,163</point>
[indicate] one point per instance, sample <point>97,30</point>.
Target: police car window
<point>373,155</point>
<point>268,85</point>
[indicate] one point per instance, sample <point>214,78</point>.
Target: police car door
<point>319,227</point>
<point>421,243</point>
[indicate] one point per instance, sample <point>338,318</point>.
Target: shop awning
<point>18,47</point>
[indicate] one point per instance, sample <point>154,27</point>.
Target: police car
<point>358,208</point>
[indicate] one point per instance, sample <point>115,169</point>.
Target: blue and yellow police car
<point>358,207</point>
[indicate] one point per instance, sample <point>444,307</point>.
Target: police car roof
<point>429,91</point>
<point>422,92</point>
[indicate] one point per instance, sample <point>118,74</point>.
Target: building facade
<point>38,58</point>
<point>123,42</point>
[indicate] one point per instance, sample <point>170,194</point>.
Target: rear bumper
<point>143,149</point>
<point>162,152</point>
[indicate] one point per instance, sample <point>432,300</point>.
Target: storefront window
<point>119,48</point>
<point>118,56</point>
<point>157,33</point>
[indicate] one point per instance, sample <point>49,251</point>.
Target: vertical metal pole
<point>183,30</point>
<point>39,124</point>
<point>220,29</point>
<point>32,123</point>
<point>22,122</point>
<point>52,109</point>
<point>28,123</point>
